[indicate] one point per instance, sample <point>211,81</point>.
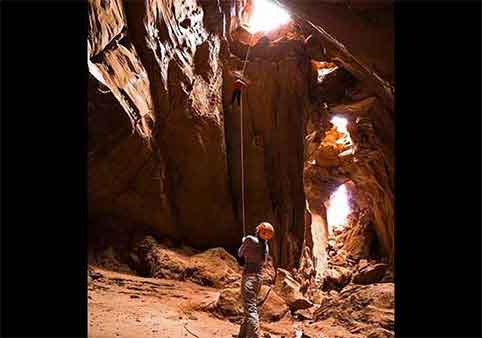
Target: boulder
<point>214,267</point>
<point>372,306</point>
<point>370,274</point>
<point>289,289</point>
<point>274,308</point>
<point>268,273</point>
<point>229,305</point>
<point>336,278</point>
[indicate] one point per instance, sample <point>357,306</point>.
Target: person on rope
<point>239,83</point>
<point>254,250</point>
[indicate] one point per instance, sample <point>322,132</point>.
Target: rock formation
<point>164,140</point>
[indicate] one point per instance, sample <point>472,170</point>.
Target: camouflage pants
<point>250,286</point>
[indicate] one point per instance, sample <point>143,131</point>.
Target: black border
<point>438,225</point>
<point>44,75</point>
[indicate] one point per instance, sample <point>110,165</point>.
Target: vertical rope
<point>246,60</point>
<point>242,164</point>
<point>241,126</point>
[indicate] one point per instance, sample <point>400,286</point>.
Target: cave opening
<point>340,124</point>
<point>338,209</point>
<point>266,16</point>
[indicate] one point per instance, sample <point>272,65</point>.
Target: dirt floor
<point>123,305</point>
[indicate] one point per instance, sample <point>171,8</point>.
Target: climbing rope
<point>242,166</point>
<point>241,126</point>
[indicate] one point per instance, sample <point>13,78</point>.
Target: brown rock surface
<point>273,111</point>
<point>229,304</point>
<point>162,66</point>
<point>370,274</point>
<point>336,278</point>
<point>214,267</point>
<point>289,289</point>
<point>361,308</point>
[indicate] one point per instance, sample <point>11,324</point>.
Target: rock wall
<point>274,109</point>
<point>179,172</point>
<point>164,139</point>
<point>369,166</point>
<point>172,172</point>
<point>125,173</point>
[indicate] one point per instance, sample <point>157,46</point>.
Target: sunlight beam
<point>267,16</point>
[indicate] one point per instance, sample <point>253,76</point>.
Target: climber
<point>239,83</point>
<point>254,250</point>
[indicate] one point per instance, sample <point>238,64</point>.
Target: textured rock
<point>367,308</point>
<point>214,267</point>
<point>274,308</point>
<point>360,239</point>
<point>347,36</point>
<point>273,115</point>
<point>336,278</point>
<point>370,274</point>
<point>289,289</point>
<point>229,304</point>
<point>380,333</point>
<point>369,168</point>
<point>165,71</point>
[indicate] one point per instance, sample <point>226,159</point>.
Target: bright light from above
<point>267,16</point>
<point>338,209</point>
<point>322,72</point>
<point>340,124</point>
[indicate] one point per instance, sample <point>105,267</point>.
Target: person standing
<point>254,250</point>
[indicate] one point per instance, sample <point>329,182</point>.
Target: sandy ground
<point>123,305</point>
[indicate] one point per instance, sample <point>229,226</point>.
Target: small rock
<point>135,296</point>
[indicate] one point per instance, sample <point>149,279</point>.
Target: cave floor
<point>124,305</point>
